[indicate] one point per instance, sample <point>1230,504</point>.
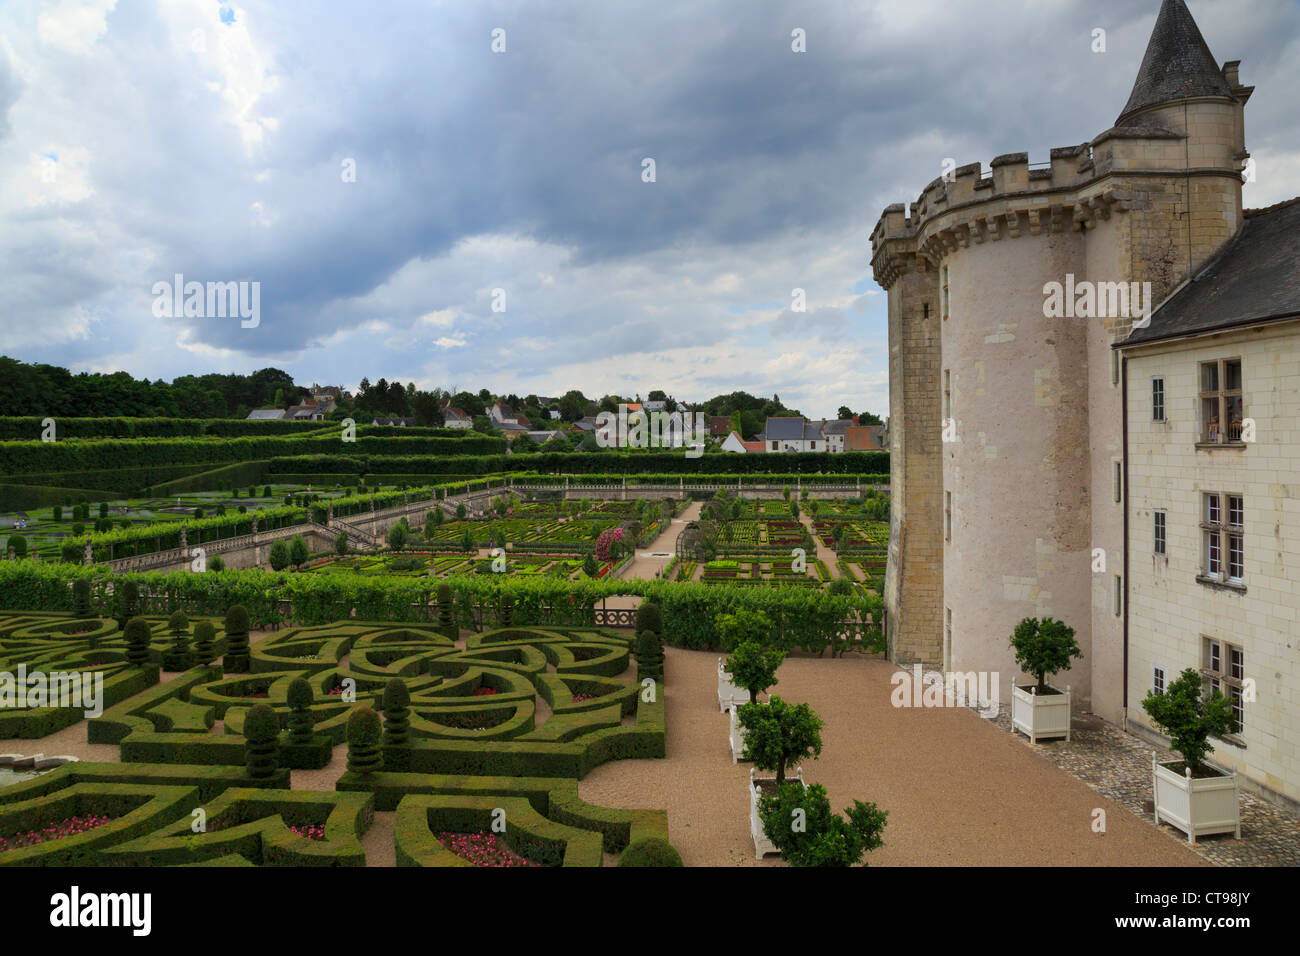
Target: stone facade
<point>1173,611</point>
<point>1006,424</point>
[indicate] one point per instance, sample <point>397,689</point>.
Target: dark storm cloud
<point>222,160</point>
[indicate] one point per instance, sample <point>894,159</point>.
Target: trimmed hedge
<point>527,832</point>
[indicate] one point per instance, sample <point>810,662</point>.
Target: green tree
<point>216,563</point>
<point>744,626</point>
<point>279,555</point>
<point>823,838</point>
<point>1044,647</point>
<point>460,511</point>
<point>1190,718</point>
<point>341,543</point>
<point>780,735</point>
<point>753,667</point>
<point>297,551</point>
<point>19,544</point>
<point>397,536</point>
<point>589,566</point>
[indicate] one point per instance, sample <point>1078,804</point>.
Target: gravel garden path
<point>959,791</point>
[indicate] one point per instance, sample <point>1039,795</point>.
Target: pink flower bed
<point>579,698</point>
<point>316,832</point>
<point>55,831</point>
<point>484,692</point>
<point>483,849</point>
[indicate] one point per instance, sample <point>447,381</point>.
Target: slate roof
<point>837,426</point>
<point>789,428</point>
<point>265,415</point>
<point>1178,63</point>
<point>1256,280</point>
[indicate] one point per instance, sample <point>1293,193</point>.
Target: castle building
<point>1013,297</point>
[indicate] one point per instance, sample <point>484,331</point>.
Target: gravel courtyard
<point>959,790</point>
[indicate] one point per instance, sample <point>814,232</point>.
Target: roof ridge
<point>1264,210</point>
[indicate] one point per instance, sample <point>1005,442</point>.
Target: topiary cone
<point>446,619</point>
<point>302,722</point>
<point>204,636</point>
<point>236,659</point>
<point>261,742</point>
<point>397,713</point>
<point>178,656</point>
<point>137,641</point>
<point>649,656</point>
<point>364,734</point>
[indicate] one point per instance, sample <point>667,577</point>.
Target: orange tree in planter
<point>1189,718</point>
<point>1044,647</point>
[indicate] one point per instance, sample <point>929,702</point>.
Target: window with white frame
<point>1158,398</point>
<point>1223,552</point>
<point>1157,678</point>
<point>1221,402</point>
<point>1223,666</point>
<point>1159,540</point>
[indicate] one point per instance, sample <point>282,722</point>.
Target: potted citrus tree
<point>1039,710</point>
<point>778,736</point>
<point>751,666</point>
<point>799,822</point>
<point>1189,793</point>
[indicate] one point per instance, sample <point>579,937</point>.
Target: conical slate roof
<point>1178,63</point>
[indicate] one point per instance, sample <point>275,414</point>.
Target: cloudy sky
<point>144,138</point>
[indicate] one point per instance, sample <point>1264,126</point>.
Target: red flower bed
<point>483,849</point>
<point>484,692</point>
<point>55,831</point>
<point>316,832</point>
<point>335,690</point>
<point>579,698</point>
<point>260,695</point>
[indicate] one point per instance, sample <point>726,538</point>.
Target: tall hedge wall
<point>795,463</point>
<point>23,457</point>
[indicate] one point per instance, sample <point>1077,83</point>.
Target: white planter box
<point>729,692</point>
<point>1196,805</point>
<point>737,736</point>
<point>1045,716</point>
<point>762,845</point>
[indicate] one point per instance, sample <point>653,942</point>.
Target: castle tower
<point>1006,434</point>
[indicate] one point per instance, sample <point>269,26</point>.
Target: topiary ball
<point>261,724</point>
<point>648,618</point>
<point>444,593</point>
<point>396,694</point>
<point>651,851</point>
<point>178,621</point>
<point>236,620</point>
<point>299,694</point>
